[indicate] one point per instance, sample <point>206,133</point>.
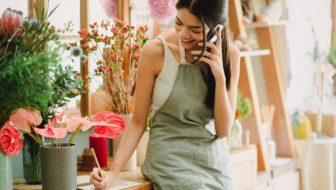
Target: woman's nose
<point>184,33</point>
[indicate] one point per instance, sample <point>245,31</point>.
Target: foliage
<point>31,70</point>
<point>244,106</point>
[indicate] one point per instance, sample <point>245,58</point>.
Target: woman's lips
<point>186,41</point>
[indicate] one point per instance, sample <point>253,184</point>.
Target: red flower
<point>111,125</point>
<point>10,143</point>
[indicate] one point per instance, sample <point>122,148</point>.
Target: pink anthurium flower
<point>75,122</point>
<point>24,118</point>
<point>108,124</point>
<point>51,131</point>
<point>10,143</point>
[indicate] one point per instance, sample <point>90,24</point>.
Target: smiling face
<point>189,28</point>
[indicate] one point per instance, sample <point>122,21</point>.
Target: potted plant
<point>243,110</point>
<point>58,156</point>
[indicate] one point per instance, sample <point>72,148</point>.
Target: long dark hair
<point>211,12</point>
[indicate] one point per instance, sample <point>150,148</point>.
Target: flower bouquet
<point>58,157</point>
<point>115,49</point>
<point>33,75</point>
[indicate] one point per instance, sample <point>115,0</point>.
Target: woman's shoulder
<point>234,51</point>
<point>154,49</point>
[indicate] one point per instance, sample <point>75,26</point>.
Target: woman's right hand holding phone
<point>102,181</point>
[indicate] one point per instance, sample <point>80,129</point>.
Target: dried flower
<point>115,48</point>
<point>76,51</point>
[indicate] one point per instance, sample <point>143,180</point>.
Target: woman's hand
<point>213,56</point>
<point>103,181</point>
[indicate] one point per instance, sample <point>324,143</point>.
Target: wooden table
<point>135,176</point>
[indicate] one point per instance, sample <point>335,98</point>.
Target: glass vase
<point>31,161</point>
<point>235,137</point>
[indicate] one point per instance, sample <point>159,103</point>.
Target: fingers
<point>212,54</point>
<point>211,47</point>
<point>96,179</point>
<point>210,62</point>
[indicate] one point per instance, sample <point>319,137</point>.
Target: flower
<point>107,124</point>
<point>110,7</point>
<point>25,118</point>
<point>113,127</point>
<point>10,21</point>
<point>115,48</point>
<point>10,143</point>
<point>78,123</point>
<point>162,10</point>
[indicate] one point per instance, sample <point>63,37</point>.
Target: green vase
<point>31,161</point>
<point>6,178</point>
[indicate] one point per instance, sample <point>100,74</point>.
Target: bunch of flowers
<point>25,120</point>
<point>31,70</point>
<point>162,10</point>
<point>244,106</point>
<point>115,48</point>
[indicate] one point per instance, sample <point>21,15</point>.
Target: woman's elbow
<point>225,129</point>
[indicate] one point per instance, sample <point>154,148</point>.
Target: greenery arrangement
<point>31,70</point>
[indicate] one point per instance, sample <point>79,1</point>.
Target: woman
<point>190,87</point>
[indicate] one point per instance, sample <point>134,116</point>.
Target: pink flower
<point>10,142</point>
<point>108,124</point>
<point>24,118</point>
<point>162,10</point>
<point>51,131</point>
<point>110,7</point>
<point>75,122</point>
<point>10,21</point>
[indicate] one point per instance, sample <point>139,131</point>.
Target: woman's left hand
<point>213,56</point>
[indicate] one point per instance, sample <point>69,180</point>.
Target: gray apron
<point>182,153</point>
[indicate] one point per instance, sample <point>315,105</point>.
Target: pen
<point>95,157</point>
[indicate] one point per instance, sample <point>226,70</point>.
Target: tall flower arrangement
<point>115,48</point>
<point>33,77</point>
<point>31,70</point>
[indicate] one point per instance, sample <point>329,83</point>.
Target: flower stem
<point>75,134</point>
<point>35,138</point>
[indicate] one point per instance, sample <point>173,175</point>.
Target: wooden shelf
<point>275,94</point>
<point>255,53</point>
<point>266,24</point>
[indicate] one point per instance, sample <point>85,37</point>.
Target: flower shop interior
<point>67,79</point>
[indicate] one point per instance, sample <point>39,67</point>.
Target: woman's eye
<point>196,31</point>
<point>178,23</point>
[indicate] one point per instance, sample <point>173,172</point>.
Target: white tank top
<point>165,80</point>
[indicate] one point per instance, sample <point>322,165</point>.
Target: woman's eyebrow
<point>196,27</point>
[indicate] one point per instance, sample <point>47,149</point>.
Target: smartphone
<point>212,37</point>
